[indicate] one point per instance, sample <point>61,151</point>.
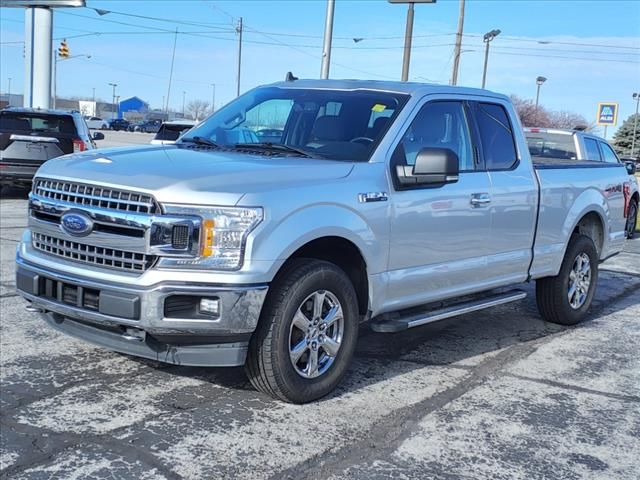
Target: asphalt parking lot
<point>498,394</point>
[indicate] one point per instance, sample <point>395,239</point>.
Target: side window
<point>608,154</point>
<point>437,125</point>
<point>498,145</point>
<point>591,150</point>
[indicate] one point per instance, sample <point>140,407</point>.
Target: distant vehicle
<point>169,132</point>
<point>556,145</point>
<point>269,135</point>
<point>150,126</point>
<point>30,137</point>
<point>119,124</point>
<point>96,123</point>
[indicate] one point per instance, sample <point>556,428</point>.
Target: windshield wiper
<point>200,141</point>
<point>275,147</point>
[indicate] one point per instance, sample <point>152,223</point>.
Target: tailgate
<point>32,150</point>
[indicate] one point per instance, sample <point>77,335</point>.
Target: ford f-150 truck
<point>396,204</point>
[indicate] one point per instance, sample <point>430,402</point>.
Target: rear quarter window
<point>496,136</point>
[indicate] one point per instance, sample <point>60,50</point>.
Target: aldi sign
<point>607,114</point>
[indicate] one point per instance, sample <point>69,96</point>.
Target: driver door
<point>439,234</point>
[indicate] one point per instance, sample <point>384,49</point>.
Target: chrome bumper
<point>132,319</point>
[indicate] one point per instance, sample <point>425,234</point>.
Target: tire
<point>632,219</point>
<point>552,293</point>
<point>269,365</point>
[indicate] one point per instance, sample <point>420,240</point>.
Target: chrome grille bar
<point>100,256</point>
<point>95,196</point>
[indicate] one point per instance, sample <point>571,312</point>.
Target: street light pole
<point>239,29</point>
<point>539,82</point>
<point>54,73</point>
<point>636,96</point>
<point>213,98</point>
<point>113,103</point>
<point>184,94</point>
<point>328,36</point>
<point>9,93</point>
<point>488,37</point>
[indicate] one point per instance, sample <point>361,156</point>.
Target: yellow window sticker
<point>378,107</point>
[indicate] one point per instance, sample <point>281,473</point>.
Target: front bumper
<point>132,319</point>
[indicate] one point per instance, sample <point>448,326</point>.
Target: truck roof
<point>50,111</point>
<point>410,88</point>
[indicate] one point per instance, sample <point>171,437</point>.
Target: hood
<point>177,174</point>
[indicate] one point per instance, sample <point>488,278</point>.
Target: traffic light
<point>63,50</point>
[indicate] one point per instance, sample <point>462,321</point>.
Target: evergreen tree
<point>623,138</point>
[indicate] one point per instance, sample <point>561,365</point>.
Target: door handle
<point>480,199</point>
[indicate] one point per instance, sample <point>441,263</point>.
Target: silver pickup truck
<point>396,204</point>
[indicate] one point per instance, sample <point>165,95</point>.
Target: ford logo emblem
<point>77,224</point>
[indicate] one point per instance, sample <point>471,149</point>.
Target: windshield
<point>333,124</point>
<point>552,145</point>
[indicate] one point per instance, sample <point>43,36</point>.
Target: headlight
<point>223,235</point>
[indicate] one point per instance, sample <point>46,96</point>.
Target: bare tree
<point>530,115</point>
<point>198,109</point>
<point>564,119</point>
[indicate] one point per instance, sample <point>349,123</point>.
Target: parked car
<point>555,145</point>
<point>206,252</point>
<point>119,124</point>
<point>96,123</point>
<point>30,137</point>
<point>149,126</point>
<point>170,131</point>
<point>269,135</point>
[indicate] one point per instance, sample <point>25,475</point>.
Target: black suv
<point>29,137</point>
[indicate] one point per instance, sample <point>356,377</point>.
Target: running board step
<point>392,323</point>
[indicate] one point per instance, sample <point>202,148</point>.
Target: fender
<point>550,246</point>
<point>276,242</point>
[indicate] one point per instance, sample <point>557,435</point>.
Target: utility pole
<point>113,103</point>
<point>239,31</point>
<point>408,36</point>
<point>173,57</point>
<point>328,36</point>
<point>636,97</point>
<point>488,37</point>
<point>213,98</point>
<point>458,47</point>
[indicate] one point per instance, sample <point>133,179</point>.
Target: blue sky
<point>591,52</point>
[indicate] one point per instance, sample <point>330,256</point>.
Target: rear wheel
<point>632,219</point>
<point>307,333</point>
<point>565,298</point>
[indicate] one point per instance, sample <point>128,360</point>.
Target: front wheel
<point>632,219</point>
<point>307,333</point>
<point>565,298</point>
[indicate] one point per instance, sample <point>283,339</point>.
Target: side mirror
<point>631,168</point>
<point>98,136</point>
<point>434,166</point>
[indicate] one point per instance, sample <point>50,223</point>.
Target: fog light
<point>210,306</point>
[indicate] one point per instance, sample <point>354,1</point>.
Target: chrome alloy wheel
<point>579,281</point>
<point>316,333</point>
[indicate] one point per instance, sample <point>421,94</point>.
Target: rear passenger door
<point>513,192</point>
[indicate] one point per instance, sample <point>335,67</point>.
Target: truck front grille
<point>104,257</point>
<point>95,196</point>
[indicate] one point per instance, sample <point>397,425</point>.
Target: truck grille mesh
<point>104,257</point>
<point>95,196</point>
